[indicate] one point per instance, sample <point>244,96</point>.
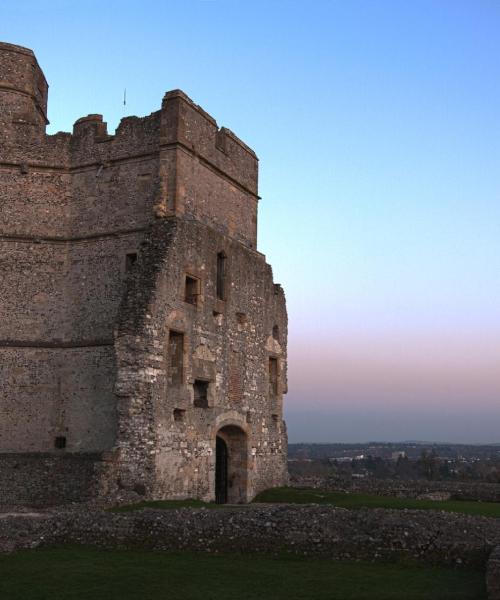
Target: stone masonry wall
<point>430,537</point>
<point>85,223</point>
<point>41,480</point>
<point>223,341</point>
<point>442,490</point>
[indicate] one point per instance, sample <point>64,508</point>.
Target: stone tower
<point>142,339</point>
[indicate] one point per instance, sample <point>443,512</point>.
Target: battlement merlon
<point>181,122</point>
<point>182,125</point>
<point>187,124</point>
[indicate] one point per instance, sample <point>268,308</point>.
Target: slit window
<point>175,357</point>
<point>191,290</point>
<point>200,393</point>
<point>273,377</point>
<point>60,442</point>
<point>130,260</point>
<point>221,275</point>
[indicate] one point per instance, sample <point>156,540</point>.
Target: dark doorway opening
<point>231,465</point>
<point>220,471</point>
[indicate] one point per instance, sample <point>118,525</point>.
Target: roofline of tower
<point>183,96</point>
<point>16,48</point>
<point>6,47</point>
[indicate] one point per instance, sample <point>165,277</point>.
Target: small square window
<point>200,393</point>
<point>191,290</point>
<point>179,414</point>
<point>130,260</point>
<point>60,442</point>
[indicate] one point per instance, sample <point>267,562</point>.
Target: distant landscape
<point>402,460</point>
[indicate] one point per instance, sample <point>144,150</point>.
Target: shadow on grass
<point>79,573</point>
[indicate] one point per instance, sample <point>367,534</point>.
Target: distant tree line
<point>429,465</point>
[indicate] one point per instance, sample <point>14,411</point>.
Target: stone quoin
<point>142,338</point>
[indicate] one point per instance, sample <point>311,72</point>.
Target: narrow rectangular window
<point>221,276</point>
<point>175,357</point>
<point>200,393</point>
<point>191,290</point>
<point>273,378</point>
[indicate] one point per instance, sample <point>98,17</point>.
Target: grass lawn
<point>344,500</point>
<point>355,500</point>
<point>80,573</point>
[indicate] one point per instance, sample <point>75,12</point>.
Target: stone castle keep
<point>142,339</point>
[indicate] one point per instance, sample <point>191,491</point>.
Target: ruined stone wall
<point>404,488</point>
<point>227,343</point>
<point>429,537</point>
<point>97,233</point>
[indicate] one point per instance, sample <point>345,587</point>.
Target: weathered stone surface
<point>368,534</point>
<point>420,489</point>
<point>98,235</point>
<point>493,575</point>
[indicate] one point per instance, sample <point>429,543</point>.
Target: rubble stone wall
<point>325,531</point>
<point>226,343</point>
<point>97,234</point>
<point>459,490</point>
<point>41,480</point>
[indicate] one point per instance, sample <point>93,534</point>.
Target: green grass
<point>80,573</point>
<point>352,501</point>
<point>356,501</point>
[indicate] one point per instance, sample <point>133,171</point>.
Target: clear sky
<point>377,123</point>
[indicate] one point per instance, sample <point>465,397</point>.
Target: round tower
<point>23,91</point>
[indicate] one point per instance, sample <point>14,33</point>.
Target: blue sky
<point>377,127</point>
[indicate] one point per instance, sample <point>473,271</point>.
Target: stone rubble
<point>316,530</point>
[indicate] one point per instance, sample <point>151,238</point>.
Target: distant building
<point>397,455</point>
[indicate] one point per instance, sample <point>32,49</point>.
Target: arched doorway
<point>231,465</point>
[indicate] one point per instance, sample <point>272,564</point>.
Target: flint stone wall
<point>493,575</point>
<point>40,480</point>
<point>375,534</point>
<point>431,490</point>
